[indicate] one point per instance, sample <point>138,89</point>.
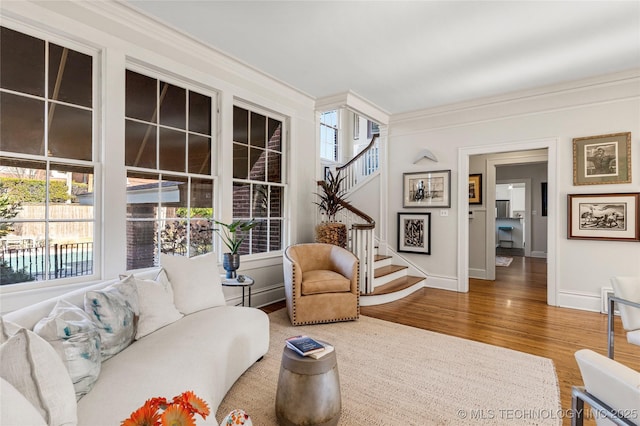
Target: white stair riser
<point>390,277</point>
<point>383,262</point>
<point>390,297</point>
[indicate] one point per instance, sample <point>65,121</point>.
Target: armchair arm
<point>346,263</point>
<point>608,382</point>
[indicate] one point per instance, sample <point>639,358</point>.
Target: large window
<point>47,160</point>
<point>329,135</point>
<point>168,154</point>
<point>258,183</point>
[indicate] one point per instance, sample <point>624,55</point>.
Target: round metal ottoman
<point>308,390</point>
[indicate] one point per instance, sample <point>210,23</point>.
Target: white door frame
<point>463,207</point>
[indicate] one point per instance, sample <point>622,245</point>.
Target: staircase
<point>391,282</point>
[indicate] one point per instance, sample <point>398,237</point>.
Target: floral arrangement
<point>179,412</point>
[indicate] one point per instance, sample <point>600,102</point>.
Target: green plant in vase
<point>233,234</point>
<point>332,200</point>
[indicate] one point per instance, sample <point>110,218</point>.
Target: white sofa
<point>205,352</point>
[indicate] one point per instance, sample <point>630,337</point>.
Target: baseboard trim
<point>540,254</point>
<point>579,300</point>
<point>480,274</point>
<point>442,283</point>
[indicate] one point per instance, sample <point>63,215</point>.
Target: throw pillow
<point>7,329</point>
<point>237,417</point>
<point>15,409</point>
<point>155,299</point>
<point>75,338</point>
<point>113,311</point>
<point>195,281</point>
<point>34,368</point>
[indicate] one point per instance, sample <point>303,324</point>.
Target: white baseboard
<point>443,283</point>
<point>540,254</point>
<point>261,297</point>
<point>480,274</point>
<point>579,300</point>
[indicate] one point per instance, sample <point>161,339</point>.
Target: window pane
<point>70,132</point>
<point>241,200</point>
<point>25,183</point>
<point>258,166</point>
<point>259,236</point>
<point>173,195</point>
<point>21,124</point>
<point>140,144</point>
<point>173,111</point>
<point>202,198</point>
<point>172,150</point>
<point>21,62</point>
<point>141,97</point>
<point>141,240</point>
<point>70,76</point>
<point>173,237</point>
<point>201,237</point>
<point>240,163</point>
<point>275,235</point>
<point>142,195</point>
<point>70,192</point>
<point>199,155</point>
<point>260,201</point>
<point>240,125</point>
<point>71,249</point>
<point>258,135</point>
<point>275,138</point>
<point>275,168</point>
<point>275,201</point>
<point>199,113</point>
<point>25,254</point>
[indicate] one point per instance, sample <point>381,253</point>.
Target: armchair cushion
<point>316,282</point>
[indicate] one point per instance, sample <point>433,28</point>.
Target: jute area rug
<point>391,374</point>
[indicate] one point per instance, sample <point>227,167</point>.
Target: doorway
<point>497,155</point>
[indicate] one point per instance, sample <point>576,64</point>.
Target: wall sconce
<point>425,153</point>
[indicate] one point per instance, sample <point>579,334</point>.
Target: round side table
<point>233,282</point>
<point>308,390</point>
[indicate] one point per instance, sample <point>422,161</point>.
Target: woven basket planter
<point>332,233</point>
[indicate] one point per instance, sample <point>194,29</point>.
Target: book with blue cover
<point>304,345</point>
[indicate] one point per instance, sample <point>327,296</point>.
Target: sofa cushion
<point>155,300</point>
<point>34,368</point>
<point>75,338</point>
<point>323,281</point>
<point>15,409</point>
<point>113,311</point>
<point>195,281</point>
<point>204,352</point>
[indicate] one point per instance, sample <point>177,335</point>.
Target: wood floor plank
<point>512,312</point>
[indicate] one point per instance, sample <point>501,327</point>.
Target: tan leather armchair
<point>320,283</point>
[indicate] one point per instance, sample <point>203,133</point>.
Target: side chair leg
<point>610,331</point>
<point>577,408</point>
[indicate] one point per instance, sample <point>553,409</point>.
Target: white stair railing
<point>365,163</point>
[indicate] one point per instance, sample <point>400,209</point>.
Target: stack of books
<point>306,346</point>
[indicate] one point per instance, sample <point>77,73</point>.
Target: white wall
<point>596,106</point>
<point>122,36</point>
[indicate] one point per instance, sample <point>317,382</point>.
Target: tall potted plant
<point>233,234</point>
<point>332,200</point>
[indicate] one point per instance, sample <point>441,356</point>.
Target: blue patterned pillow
<point>114,310</point>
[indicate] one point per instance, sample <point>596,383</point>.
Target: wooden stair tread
<point>378,257</point>
<point>398,284</point>
<point>386,270</point>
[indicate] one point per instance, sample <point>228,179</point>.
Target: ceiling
<point>410,55</point>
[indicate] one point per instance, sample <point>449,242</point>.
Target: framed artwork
<point>427,189</point>
<point>414,233</point>
<point>475,189</point>
<point>604,216</point>
<point>602,159</point>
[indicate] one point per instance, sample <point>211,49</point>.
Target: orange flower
<point>195,404</point>
<point>177,415</point>
<point>157,403</point>
<point>144,416</point>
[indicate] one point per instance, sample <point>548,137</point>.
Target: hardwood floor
<point>512,312</point>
